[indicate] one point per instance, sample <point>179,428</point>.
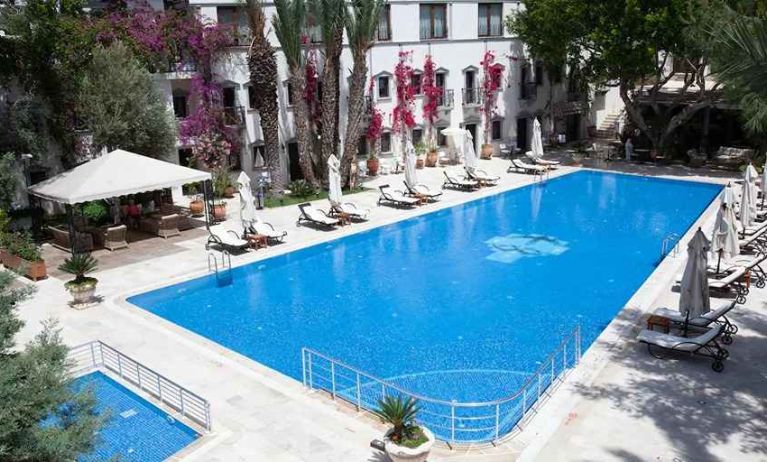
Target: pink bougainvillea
<point>491,82</point>
<point>402,116</point>
<point>375,120</point>
<point>432,94</point>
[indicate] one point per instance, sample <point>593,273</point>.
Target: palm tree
<point>361,24</point>
<point>330,15</point>
<point>263,77</point>
<point>289,25</point>
<point>740,63</point>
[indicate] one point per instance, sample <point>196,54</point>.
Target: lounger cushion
<point>675,342</point>
<point>717,310</point>
<point>229,240</point>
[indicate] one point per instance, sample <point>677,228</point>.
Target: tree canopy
<point>135,118</point>
<point>42,418</point>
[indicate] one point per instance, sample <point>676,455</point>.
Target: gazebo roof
<point>115,174</point>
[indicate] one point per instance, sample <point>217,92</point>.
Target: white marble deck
<point>259,414</point>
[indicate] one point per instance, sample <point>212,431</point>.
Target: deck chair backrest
<point>384,188</point>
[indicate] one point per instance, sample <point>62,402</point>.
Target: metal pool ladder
<point>672,238</point>
<point>224,273</point>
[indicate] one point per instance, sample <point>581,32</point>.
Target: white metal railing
<point>450,421</point>
<point>223,274</point>
<point>670,240</point>
<point>97,354</point>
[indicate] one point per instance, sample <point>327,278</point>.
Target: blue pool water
<point>463,303</point>
<point>135,429</point>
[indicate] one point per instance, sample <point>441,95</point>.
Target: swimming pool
<point>135,429</point>
<point>460,304</point>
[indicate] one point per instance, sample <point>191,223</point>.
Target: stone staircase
<point>606,130</point>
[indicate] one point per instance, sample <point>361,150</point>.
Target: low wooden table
<point>344,218</point>
<point>658,321</point>
<point>258,241</point>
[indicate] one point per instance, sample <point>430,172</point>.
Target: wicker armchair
<point>116,238</point>
<point>164,226</point>
<point>83,241</point>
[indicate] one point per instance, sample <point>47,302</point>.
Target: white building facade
<point>455,34</point>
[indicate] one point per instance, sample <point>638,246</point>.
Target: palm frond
<point>742,56</point>
<point>361,23</point>
<point>289,23</point>
<point>329,15</point>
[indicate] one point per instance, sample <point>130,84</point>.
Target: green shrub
<point>22,245</point>
<point>400,413</point>
<point>95,211</point>
<point>79,264</point>
<point>301,188</point>
<point>221,181</point>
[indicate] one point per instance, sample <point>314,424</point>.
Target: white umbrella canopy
<point>730,200</point>
<point>455,141</point>
<point>536,146</point>
<point>747,206</point>
<point>694,298</point>
<point>410,175</point>
<point>334,180</point>
<point>749,179</point>
<point>469,154</point>
<point>724,242</point>
<point>247,201</point>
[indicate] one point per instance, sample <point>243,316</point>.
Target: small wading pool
<point>135,429</point>
<point>461,304</point>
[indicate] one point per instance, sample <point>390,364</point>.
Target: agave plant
<point>79,264</point>
<point>400,413</point>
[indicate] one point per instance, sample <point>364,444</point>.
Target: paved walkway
<point>259,414</point>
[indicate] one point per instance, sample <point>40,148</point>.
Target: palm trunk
<point>301,122</point>
<point>355,114</point>
<point>330,98</point>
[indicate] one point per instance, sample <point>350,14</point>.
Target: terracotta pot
<point>11,261</point>
<point>419,163</point>
<point>196,207</point>
<point>487,151</point>
<point>432,158</point>
<point>399,453</point>
<point>34,270</point>
<point>219,212</point>
<point>373,164</point>
<point>229,192</point>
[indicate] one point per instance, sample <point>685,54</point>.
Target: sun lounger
<point>314,216</point>
<point>732,280</point>
<point>459,183</point>
<point>266,229</point>
<point>396,197</point>
<point>755,241</point>
<point>542,161</point>
<point>518,165</point>
<point>481,176</point>
<point>704,344</point>
<point>422,191</point>
<point>718,315</point>
<point>228,240</point>
<point>349,209</point>
<point>752,263</point>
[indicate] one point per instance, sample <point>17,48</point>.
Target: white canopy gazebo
<point>115,174</point>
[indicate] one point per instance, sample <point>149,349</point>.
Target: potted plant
<point>405,441</point>
<point>220,183</point>
<point>196,206</point>
<point>373,164</point>
<point>81,287</point>
<point>431,156</point>
<point>420,152</point>
<point>22,255</point>
<point>219,211</point>
<point>487,151</point>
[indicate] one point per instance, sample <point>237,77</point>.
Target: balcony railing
<point>471,96</point>
<point>234,115</point>
<point>445,100</point>
<point>528,90</point>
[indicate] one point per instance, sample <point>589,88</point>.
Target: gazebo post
<point>71,228</point>
<point>207,194</point>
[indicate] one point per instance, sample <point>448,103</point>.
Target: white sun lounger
<point>266,229</point>
<point>542,161</point>
<point>704,344</point>
<point>396,197</point>
<point>481,176</point>
<point>351,209</point>
<point>451,181</point>
<point>520,165</point>
<point>718,314</point>
<point>311,215</point>
<point>421,190</point>
<point>228,240</point>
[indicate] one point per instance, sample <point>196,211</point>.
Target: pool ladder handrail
<point>226,265</point>
<point>668,240</point>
